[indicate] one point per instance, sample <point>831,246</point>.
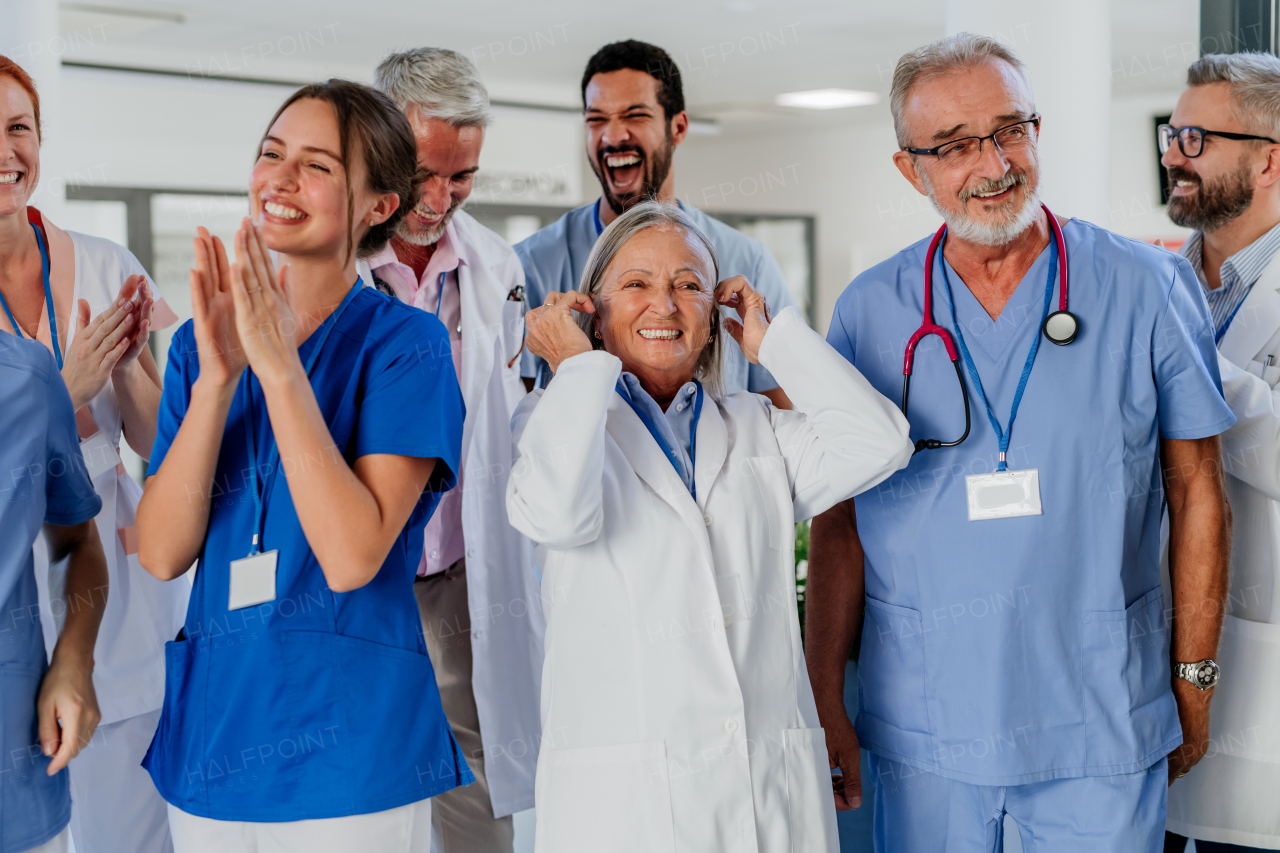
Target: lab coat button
<point>706,519</point>
<point>435,554</point>
<point>731,725</point>
<point>471,552</point>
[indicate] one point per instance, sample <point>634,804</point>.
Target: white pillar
<point>1067,48</point>
<point>29,36</point>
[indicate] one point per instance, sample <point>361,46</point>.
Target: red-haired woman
<point>89,300</point>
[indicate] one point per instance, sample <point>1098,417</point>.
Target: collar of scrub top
<point>662,442</point>
<point>1004,434</point>
<point>48,298</point>
<point>273,455</point>
<point>595,215</point>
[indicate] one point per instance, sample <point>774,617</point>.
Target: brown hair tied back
<point>370,125</point>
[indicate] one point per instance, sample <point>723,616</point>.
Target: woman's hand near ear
<point>737,293</point>
<point>553,333</point>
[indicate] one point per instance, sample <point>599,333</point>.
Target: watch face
<point>1206,674</point>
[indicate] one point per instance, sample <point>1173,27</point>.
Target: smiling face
<point>19,148</point>
<point>298,188</point>
<point>1211,190</point>
<point>654,306</point>
<point>449,156</point>
<point>992,200</point>
<point>630,139</point>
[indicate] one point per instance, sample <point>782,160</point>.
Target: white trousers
<point>397,830</point>
<point>57,844</point>
<point>114,804</point>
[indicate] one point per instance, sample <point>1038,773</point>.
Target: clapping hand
<point>109,343</point>
<point>222,359</point>
<point>265,317</point>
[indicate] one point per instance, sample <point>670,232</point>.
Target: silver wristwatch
<point>1203,673</point>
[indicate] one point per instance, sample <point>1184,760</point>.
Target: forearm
<point>138,394</point>
<point>833,604</point>
<point>1199,547</point>
<point>173,516</point>
<point>347,529</point>
<point>86,590</point>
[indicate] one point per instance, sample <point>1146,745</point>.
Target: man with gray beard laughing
<point>1061,388</point>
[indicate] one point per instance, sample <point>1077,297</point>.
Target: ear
<point>679,127</point>
<point>906,164</point>
<point>1270,173</point>
<point>384,206</point>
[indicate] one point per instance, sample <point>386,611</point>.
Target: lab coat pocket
<point>774,489</point>
<point>512,331</point>
<point>1128,704</point>
<point>891,697</point>
<point>1245,701</point>
<point>614,798</point>
<point>810,804</point>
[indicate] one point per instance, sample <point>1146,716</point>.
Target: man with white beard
<point>473,562</point>
<point>1015,657</point>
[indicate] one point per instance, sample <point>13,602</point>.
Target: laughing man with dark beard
<point>633,105</point>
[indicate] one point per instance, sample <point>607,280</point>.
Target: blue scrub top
<point>44,480</point>
<point>554,258</point>
<point>1019,650</point>
<point>317,704</point>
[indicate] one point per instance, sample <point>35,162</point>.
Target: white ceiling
<point>535,52</point>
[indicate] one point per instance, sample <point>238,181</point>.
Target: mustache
<point>1010,179</point>
<point>1177,173</point>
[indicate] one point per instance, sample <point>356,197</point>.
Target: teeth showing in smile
<point>10,177</point>
<point>992,193</point>
<point>283,212</point>
<point>617,161</point>
<point>660,334</point>
<point>1185,183</point>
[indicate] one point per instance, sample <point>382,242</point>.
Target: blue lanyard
<point>1217,338</point>
<point>48,298</point>
<point>1004,434</point>
<point>273,455</point>
<point>657,436</point>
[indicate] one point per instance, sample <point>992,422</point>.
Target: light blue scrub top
<point>1019,650</point>
<point>554,258</point>
<point>44,480</point>
<point>317,704</point>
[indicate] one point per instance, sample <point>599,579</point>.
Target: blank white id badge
<point>1003,494</point>
<point>99,454</point>
<point>253,580</point>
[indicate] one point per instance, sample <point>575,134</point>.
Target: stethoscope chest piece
<point>1061,327</point>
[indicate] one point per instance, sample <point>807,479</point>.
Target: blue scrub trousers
<point>917,811</point>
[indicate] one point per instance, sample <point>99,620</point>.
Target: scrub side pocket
<point>30,801</point>
<point>1130,714</point>
<point>179,775</point>
<point>892,712</point>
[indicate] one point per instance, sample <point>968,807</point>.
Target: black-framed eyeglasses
<point>1010,138</point>
<point>1191,139</point>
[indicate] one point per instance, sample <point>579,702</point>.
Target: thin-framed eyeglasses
<point>1191,139</point>
<point>1010,138</point>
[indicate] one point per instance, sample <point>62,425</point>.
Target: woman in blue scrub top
<point>300,708</point>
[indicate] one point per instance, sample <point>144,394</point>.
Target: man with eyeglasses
<point>1220,148</point>
<point>1014,658</point>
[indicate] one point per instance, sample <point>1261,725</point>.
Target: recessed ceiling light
<point>827,99</point>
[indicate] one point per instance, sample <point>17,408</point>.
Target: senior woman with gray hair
<point>675,702</point>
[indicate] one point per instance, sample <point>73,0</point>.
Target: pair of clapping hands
<point>107,345</point>
<point>242,311</point>
<point>554,335</point>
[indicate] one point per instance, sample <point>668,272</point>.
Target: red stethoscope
<point>1061,328</point>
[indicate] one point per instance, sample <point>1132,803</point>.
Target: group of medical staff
<point>435,529</point>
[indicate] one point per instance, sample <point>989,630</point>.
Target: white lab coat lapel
<point>1257,320</point>
<point>710,451</point>
<point>652,466</point>
<point>481,327</point>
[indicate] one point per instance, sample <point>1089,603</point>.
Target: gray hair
<point>439,83</point>
<point>656,214</point>
<point>962,50</point>
<point>1255,86</point>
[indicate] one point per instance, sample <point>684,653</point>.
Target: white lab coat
<point>502,581</point>
<point>1230,796</point>
<point>675,700</point>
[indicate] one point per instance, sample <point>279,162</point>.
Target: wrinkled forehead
<point>968,101</point>
<point>664,250</point>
